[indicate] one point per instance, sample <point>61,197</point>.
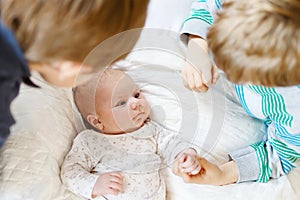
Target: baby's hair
<point>85,94</point>
<point>84,99</point>
<point>258,41</point>
<point>59,30</point>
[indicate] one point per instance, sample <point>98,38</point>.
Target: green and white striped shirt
<point>278,107</point>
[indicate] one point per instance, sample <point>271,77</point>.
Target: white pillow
<point>31,157</point>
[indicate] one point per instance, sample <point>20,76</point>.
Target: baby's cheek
<point>122,117</point>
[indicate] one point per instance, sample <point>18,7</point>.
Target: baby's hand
<point>199,71</point>
<point>108,183</point>
<point>188,163</point>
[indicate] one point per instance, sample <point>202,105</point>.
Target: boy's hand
<point>211,174</point>
<point>199,71</point>
<point>108,183</point>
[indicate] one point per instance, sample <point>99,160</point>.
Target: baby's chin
<point>137,125</point>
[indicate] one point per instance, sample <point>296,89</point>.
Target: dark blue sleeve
<point>9,90</point>
<point>13,70</point>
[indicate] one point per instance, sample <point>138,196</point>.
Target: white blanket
<point>31,158</point>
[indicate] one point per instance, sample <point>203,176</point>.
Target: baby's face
<point>121,106</point>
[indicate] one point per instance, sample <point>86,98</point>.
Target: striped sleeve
<point>277,155</point>
<point>201,17</point>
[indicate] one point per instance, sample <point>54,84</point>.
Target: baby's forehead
<point>113,82</point>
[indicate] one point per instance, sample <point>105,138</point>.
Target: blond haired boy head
<point>57,35</point>
<point>258,41</point>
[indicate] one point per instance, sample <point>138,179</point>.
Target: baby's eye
<point>121,103</point>
<point>137,95</point>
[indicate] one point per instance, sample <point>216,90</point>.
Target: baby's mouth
<point>137,115</point>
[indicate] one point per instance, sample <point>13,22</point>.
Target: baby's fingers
<point>116,174</point>
<point>196,170</point>
<point>117,187</point>
<point>112,191</point>
<point>192,169</point>
<point>187,160</point>
<point>116,179</point>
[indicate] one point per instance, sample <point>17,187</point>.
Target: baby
<point>122,156</point>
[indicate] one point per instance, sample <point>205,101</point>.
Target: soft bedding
<point>46,124</point>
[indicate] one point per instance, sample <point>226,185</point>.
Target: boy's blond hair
<point>258,41</point>
<point>59,30</point>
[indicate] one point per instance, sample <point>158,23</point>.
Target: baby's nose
<point>134,103</point>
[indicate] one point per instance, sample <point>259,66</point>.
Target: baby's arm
<point>176,149</point>
<point>77,171</point>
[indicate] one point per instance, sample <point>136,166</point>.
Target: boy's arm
<point>268,159</point>
<point>76,169</point>
<point>259,162</point>
<point>199,72</point>
<point>277,155</point>
<point>201,17</point>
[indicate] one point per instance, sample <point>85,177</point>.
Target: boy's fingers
<point>199,85</point>
<point>206,69</point>
<point>191,81</point>
<point>184,78</point>
<point>215,72</point>
<point>190,179</point>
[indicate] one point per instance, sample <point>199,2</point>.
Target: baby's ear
<point>95,122</point>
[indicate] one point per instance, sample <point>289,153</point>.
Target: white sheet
<point>31,158</point>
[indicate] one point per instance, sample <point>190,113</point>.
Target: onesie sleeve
<point>76,171</point>
<point>170,144</point>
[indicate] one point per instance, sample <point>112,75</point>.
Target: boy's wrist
<point>199,41</point>
<point>229,173</point>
